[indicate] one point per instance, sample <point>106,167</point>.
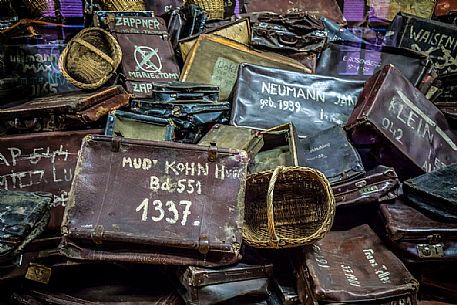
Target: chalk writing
<point>24,171</point>
<point>224,75</point>
<point>380,271</point>
<point>188,186</point>
<point>320,259</point>
<point>388,125</point>
<point>148,23</point>
<point>305,93</point>
<point>171,216</point>
<point>402,301</point>
<point>174,168</point>
<point>350,277</point>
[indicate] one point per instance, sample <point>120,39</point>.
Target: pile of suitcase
<point>228,152</point>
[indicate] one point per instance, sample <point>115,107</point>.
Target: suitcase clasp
<point>97,234</point>
<point>433,249</point>
<point>212,152</point>
<point>203,244</point>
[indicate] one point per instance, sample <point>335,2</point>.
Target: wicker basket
<point>90,58</point>
<point>287,207</point>
<point>214,8</point>
<point>122,5</point>
<point>36,7</point>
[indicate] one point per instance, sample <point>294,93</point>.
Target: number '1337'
<point>169,212</point>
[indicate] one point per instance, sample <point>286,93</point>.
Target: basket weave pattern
<point>287,207</point>
<point>90,59</point>
<point>36,7</point>
<point>122,5</point>
<point>214,8</point>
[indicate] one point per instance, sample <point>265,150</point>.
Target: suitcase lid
<point>445,7</point>
<point>215,60</point>
<point>356,60</point>
<point>402,114</point>
<point>354,265</point>
<point>227,136</point>
<point>418,226</point>
<point>239,31</point>
<point>264,97</point>
<point>148,193</point>
<point>67,103</point>
<point>198,276</point>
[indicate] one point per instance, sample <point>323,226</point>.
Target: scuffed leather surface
<point>325,261</point>
<point>405,236</point>
<point>435,193</point>
<point>388,97</point>
<point>377,185</point>
<point>361,61</point>
<point>255,106</point>
<point>331,152</point>
<point>103,222</point>
<point>23,216</point>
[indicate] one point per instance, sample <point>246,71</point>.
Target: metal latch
<point>97,234</point>
<point>203,244</point>
<point>433,249</point>
<point>212,152</point>
<point>38,273</point>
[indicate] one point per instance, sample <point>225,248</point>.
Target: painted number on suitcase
<point>169,211</point>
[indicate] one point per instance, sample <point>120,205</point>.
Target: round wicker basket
<point>122,5</point>
<point>214,8</point>
<point>288,207</point>
<point>90,58</point>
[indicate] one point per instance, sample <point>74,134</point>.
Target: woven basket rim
<point>295,242</point>
<point>117,59</point>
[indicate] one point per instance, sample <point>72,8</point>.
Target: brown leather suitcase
<point>204,286</point>
<point>155,202</point>
<point>419,239</point>
<point>402,128</point>
<point>215,60</point>
<point>147,54</point>
<point>353,267</point>
<point>67,111</point>
<point>327,8</point>
<point>42,162</point>
<point>377,185</point>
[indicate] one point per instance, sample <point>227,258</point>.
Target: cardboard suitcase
<point>215,60</point>
<point>156,203</point>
